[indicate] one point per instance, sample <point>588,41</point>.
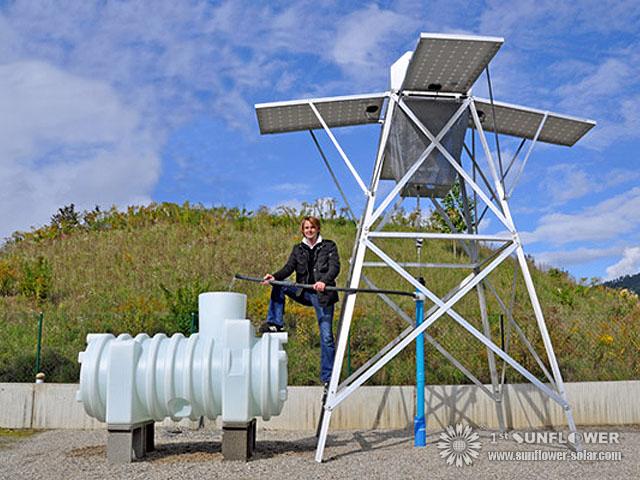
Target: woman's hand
<point>267,278</point>
<point>319,286</point>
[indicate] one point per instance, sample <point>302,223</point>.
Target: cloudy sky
<point>120,103</point>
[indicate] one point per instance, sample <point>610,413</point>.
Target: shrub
<point>8,278</point>
<point>35,280</point>
<point>56,367</point>
<point>183,301</point>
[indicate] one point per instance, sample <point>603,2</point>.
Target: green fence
<point>49,343</point>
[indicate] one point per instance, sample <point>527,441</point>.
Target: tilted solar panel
<point>524,122</point>
<point>449,63</point>
<point>291,116</point>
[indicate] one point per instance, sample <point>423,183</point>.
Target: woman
<point>316,262</point>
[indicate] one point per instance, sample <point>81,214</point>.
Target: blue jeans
<point>325,322</point>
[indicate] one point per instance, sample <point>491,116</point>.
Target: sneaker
<point>271,328</point>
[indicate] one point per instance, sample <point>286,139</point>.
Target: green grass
<point>141,271</point>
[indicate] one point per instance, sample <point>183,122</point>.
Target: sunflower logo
<point>459,445</point>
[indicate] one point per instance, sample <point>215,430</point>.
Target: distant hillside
<point>142,269</point>
<point>630,282</point>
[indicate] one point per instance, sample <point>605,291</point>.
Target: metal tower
<point>428,112</point>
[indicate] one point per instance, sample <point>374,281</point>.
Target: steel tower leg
<point>524,267</point>
<point>490,357</point>
<point>356,272</point>
<point>482,302</point>
<point>546,339</point>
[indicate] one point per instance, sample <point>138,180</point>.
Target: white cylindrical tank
<point>222,370</point>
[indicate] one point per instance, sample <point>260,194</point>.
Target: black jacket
<point>326,266</point>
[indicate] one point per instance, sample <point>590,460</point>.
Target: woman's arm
<point>288,268</point>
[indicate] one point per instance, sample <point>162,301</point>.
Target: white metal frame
<point>510,244</point>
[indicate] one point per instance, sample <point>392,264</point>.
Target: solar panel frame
<point>297,115</point>
<point>452,61</point>
<point>523,122</point>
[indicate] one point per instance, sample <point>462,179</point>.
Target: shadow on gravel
<point>369,440</point>
<point>212,450</point>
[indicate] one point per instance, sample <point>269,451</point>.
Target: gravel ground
<point>69,454</point>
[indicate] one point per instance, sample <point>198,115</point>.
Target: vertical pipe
<point>419,424</point>
<point>39,342</point>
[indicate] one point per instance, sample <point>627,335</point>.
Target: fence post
<point>39,343</point>
<point>193,329</point>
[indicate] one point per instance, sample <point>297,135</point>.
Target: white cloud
<point>584,67</point>
<point>364,39</point>
<point>563,258</point>
<point>290,204</point>
<point>67,139</point>
<point>628,264</point>
<point>609,219</point>
<point>565,182</point>
<point>291,188</point>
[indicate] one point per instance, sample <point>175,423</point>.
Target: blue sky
<point>119,103</point>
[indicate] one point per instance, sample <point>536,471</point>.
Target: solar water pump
<point>429,124</point>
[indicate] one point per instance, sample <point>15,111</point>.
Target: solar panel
<point>449,63</point>
<point>524,122</point>
<point>291,116</point>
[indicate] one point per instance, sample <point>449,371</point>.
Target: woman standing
<point>316,262</point>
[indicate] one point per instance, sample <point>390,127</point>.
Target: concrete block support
<point>126,443</point>
<point>238,440</point>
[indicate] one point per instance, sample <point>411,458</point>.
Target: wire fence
<point>37,342</point>
<point>36,347</point>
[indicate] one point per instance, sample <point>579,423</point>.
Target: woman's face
<point>309,231</point>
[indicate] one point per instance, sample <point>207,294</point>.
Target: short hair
<point>315,221</point>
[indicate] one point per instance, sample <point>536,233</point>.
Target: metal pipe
<point>329,288</point>
<point>419,424</point>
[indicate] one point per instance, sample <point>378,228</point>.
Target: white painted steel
<point>493,372</point>
<point>442,236</point>
<point>533,296</point>
<point>447,307</point>
<point>455,164</point>
<point>354,280</point>
<point>499,188</point>
<point>223,370</point>
<point>526,158</point>
<point>435,143</point>
<point>454,62</point>
<point>422,265</point>
<point>443,351</point>
<point>343,155</point>
<point>521,334</point>
<point>444,308</point>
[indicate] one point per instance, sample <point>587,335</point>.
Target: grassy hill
<point>141,271</point>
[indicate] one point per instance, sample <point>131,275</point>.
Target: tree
<point>453,205</point>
